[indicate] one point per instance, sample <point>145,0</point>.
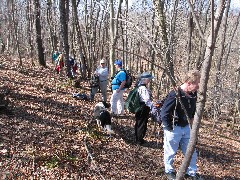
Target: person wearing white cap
<point>102,73</point>
<point>146,104</point>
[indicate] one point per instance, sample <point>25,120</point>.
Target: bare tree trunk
<point>217,101</point>
<point>64,31</point>
<point>189,45</point>
<point>203,87</point>
<point>16,31</point>
<point>80,41</point>
<point>219,60</point>
<point>159,6</point>
<point>234,30</point>
<point>38,31</point>
<point>30,18</point>
<point>202,49</point>
<point>113,32</point>
<point>51,28</point>
<point>125,38</point>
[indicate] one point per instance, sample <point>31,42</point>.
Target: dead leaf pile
<point>47,134</point>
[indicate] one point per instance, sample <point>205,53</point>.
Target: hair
<point>192,76</point>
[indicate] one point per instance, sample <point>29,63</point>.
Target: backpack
<point>132,103</point>
<point>71,61</point>
<point>94,81</point>
<point>80,96</point>
<point>156,111</point>
<point>129,78</point>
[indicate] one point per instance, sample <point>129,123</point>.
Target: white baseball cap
<point>102,61</point>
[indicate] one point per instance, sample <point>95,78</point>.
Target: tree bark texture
<point>113,32</point>
<point>41,58</point>
<point>159,6</point>
<point>202,89</point>
<point>15,26</point>
<point>64,33</point>
<point>81,44</point>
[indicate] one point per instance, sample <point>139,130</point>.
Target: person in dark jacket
<point>176,126</point>
<point>142,114</point>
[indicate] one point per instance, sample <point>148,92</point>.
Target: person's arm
<point>121,86</point>
<point>122,78</point>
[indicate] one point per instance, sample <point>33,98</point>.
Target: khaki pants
<point>103,88</point>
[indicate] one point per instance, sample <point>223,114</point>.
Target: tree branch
<point>196,20</point>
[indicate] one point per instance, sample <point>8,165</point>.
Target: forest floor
<point>47,134</point>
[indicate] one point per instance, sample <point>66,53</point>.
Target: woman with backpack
<point>146,104</point>
<point>118,88</point>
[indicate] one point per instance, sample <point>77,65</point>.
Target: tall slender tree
<point>15,26</point>
<point>41,57</point>
<point>63,6</point>
<point>113,30</point>
<point>211,40</point>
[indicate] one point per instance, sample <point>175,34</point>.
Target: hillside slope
<point>47,134</point>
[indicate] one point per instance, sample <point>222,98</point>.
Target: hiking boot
<point>196,177</point>
<point>171,175</point>
<point>114,115</point>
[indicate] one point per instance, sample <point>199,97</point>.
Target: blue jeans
<point>179,137</point>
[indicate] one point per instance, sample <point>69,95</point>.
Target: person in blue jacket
<point>55,56</point>
<point>176,126</point>
<point>118,82</point>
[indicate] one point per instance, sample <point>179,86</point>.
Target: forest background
<point>165,37</point>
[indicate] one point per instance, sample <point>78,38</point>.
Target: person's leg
<point>120,105</point>
<point>93,92</point>
<point>138,123</point>
<point>171,144</point>
<point>103,87</point>
<point>113,101</point>
<point>192,168</point>
<point>141,121</point>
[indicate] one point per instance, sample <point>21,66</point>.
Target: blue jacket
<point>118,79</point>
<point>55,56</point>
<point>169,105</point>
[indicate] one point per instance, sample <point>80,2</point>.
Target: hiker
<point>175,124</point>
<point>55,56</point>
<point>102,74</point>
<point>73,65</point>
<point>118,82</point>
<point>142,114</point>
<point>59,63</point>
